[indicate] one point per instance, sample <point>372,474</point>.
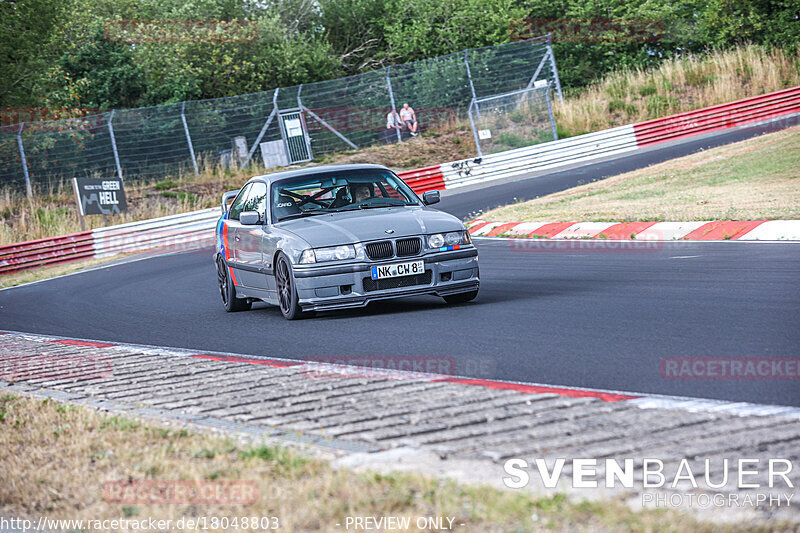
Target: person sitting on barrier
<point>409,118</point>
<point>393,126</point>
<point>393,120</point>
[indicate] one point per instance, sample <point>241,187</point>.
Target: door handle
<point>236,237</point>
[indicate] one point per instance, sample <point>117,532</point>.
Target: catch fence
<point>340,114</point>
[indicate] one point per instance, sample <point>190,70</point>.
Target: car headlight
<point>307,257</point>
<point>331,253</point>
<point>447,240</point>
<point>435,241</point>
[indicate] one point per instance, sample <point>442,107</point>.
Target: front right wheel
<point>461,297</point>
<point>287,291</point>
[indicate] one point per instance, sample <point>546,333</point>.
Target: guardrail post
<point>264,128</point>
<point>114,144</point>
<point>553,65</point>
<point>28,189</point>
<point>189,139</point>
<point>391,99</point>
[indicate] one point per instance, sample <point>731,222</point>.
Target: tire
<point>288,300</point>
<point>461,297</point>
<point>231,303</point>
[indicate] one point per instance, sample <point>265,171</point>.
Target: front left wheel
<point>228,291</point>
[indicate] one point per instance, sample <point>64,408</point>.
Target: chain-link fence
<point>512,120</point>
<point>340,114</point>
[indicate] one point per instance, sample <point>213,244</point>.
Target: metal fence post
<point>189,139</point>
<point>474,131</point>
<point>305,133</point>
<point>550,112</point>
<point>264,128</point>
<point>114,144</point>
<point>553,65</point>
<point>545,58</point>
<point>469,74</point>
<point>28,188</point>
<point>391,99</point>
<point>304,109</point>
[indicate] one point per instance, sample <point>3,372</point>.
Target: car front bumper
<point>326,287</point>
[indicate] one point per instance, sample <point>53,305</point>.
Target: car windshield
<point>339,191</point>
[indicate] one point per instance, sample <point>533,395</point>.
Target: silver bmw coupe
<point>336,237</point>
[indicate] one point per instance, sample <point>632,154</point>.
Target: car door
<point>232,235</point>
<point>269,245</point>
<point>246,244</point>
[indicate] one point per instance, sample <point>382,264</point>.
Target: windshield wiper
<point>376,206</point>
<point>301,215</point>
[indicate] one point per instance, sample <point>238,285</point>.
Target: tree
<point>25,29</point>
<point>113,79</point>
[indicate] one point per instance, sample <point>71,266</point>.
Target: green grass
<point>756,179</point>
<point>306,492</point>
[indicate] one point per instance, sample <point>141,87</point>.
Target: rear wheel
<point>461,297</point>
<point>228,291</point>
<point>287,291</point>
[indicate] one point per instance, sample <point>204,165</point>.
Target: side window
<point>238,204</point>
<point>256,198</point>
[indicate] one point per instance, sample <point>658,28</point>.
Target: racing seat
<point>286,206</point>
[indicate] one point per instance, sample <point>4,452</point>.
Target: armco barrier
<point>187,231</point>
<point>718,117</point>
<point>616,141</point>
<point>195,230</point>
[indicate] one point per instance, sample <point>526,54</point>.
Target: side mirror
<point>430,197</point>
<point>249,218</point>
<point>227,197</point>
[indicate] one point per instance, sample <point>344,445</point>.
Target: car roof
<point>275,176</point>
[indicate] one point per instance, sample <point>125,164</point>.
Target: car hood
<point>348,227</point>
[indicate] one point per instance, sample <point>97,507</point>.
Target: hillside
<point>756,179</point>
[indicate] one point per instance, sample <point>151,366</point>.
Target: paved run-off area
<point>437,423</point>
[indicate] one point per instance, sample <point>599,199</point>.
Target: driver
<point>360,192</point>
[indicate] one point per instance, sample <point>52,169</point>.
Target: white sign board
<point>293,127</point>
<point>240,147</point>
<point>484,134</point>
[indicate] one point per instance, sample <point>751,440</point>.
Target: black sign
<point>100,196</point>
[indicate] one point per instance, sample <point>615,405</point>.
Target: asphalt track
<point>601,319</point>
<point>469,201</point>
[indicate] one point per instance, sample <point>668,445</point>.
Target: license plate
<point>398,269</point>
